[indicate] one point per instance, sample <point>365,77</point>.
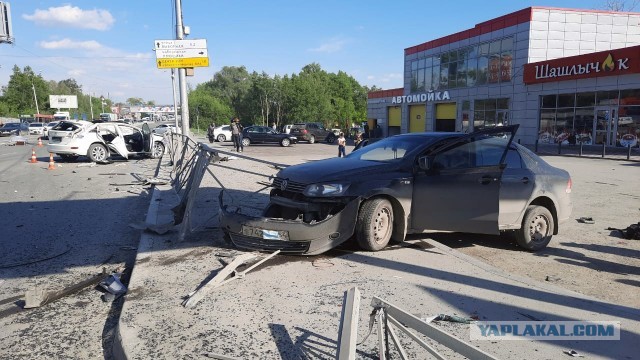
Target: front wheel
<point>375,224</point>
<point>221,138</point>
<point>246,141</point>
<point>331,139</point>
<point>312,139</point>
<point>285,142</point>
<point>537,228</point>
<point>157,150</point>
<point>98,153</point>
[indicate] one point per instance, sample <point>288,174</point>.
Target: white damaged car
<point>72,139</point>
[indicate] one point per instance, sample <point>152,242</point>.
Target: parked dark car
<point>475,183</point>
<point>9,129</point>
<point>266,135</point>
<point>312,132</point>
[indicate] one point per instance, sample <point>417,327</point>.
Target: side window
<point>513,159</point>
<point>475,152</point>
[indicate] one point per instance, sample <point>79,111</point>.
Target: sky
<point>107,46</point>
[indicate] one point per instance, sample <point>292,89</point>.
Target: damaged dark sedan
<point>411,183</point>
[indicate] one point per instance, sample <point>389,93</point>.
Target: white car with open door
<point>71,139</point>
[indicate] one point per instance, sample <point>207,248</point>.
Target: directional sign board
<point>180,44</point>
<point>182,63</point>
<point>181,53</point>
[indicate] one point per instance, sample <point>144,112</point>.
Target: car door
<point>458,185</point>
<point>147,138</point>
<point>516,188</point>
<point>259,135</point>
<point>113,138</point>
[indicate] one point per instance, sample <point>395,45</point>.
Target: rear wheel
<point>157,150</point>
<point>221,138</point>
<point>312,139</point>
<point>537,228</point>
<point>331,138</point>
<point>285,142</point>
<point>98,153</point>
<point>375,224</point>
<point>246,141</point>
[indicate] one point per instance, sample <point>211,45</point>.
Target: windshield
<point>12,125</point>
<point>35,125</point>
<point>390,149</point>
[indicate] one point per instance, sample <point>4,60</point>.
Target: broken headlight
<point>325,189</point>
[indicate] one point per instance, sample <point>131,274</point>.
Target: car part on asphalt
<point>37,298</point>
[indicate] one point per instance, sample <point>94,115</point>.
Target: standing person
<point>210,130</point>
<point>342,144</point>
<point>236,134</point>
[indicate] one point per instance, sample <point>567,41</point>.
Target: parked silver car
<point>71,139</point>
<point>410,183</point>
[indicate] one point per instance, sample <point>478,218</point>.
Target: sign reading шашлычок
<point>181,53</point>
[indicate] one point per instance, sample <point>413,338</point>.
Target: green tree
<point>205,108</point>
<point>18,93</point>
<point>135,101</point>
<point>231,85</point>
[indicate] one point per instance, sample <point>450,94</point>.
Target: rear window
<point>36,125</point>
<point>66,126</point>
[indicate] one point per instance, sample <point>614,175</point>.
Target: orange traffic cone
<point>52,165</point>
<point>39,142</point>
<point>33,156</point>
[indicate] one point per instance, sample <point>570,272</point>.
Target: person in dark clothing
<point>236,134</point>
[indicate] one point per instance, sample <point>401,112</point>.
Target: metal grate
<point>247,242</point>
<point>292,186</point>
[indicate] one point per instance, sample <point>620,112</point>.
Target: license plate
<point>265,234</point>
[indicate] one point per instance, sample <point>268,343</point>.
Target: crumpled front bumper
<point>289,236</point>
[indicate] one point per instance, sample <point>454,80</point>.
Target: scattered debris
<point>37,298</point>
<point>573,353</point>
<point>219,357</point>
<point>221,277</point>
<point>551,278</point>
<point>128,248</point>
<point>113,286</point>
<point>530,317</point>
<point>450,318</point>
<point>121,164</point>
<point>92,164</point>
<point>151,181</point>
<point>586,220</point>
<point>632,232</point>
<point>322,263</point>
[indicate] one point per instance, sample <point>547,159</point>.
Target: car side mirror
<point>425,162</point>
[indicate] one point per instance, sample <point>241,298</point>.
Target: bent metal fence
<point>199,172</point>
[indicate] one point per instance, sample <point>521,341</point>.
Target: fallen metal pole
<point>348,335</point>
<point>430,331</point>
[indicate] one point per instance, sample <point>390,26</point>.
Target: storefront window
<point>466,113</point>
<point>490,113</point>
<point>566,100</point>
<point>607,98</point>
<point>490,62</point>
<point>585,99</point>
<point>547,125</point>
<point>583,125</point>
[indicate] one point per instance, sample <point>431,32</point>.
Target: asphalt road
<point>60,227</point>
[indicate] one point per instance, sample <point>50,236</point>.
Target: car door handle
<point>486,180</point>
<point>525,180</point>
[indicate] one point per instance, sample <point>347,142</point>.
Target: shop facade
<point>564,75</point>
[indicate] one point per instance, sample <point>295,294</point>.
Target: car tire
<point>68,157</point>
<point>157,150</point>
<point>331,139</point>
<point>312,139</point>
<point>537,228</point>
<point>246,142</point>
<point>98,153</point>
<point>375,224</point>
<point>285,142</point>
<point>221,138</point>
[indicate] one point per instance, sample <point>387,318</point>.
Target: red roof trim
<point>385,93</point>
<point>505,21</point>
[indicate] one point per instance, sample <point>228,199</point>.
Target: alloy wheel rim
<point>98,153</point>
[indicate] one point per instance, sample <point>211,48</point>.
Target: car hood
<point>334,169</point>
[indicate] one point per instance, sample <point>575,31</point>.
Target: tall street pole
<point>184,102</point>
<point>175,100</point>
<point>91,106</point>
<point>35,98</point>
